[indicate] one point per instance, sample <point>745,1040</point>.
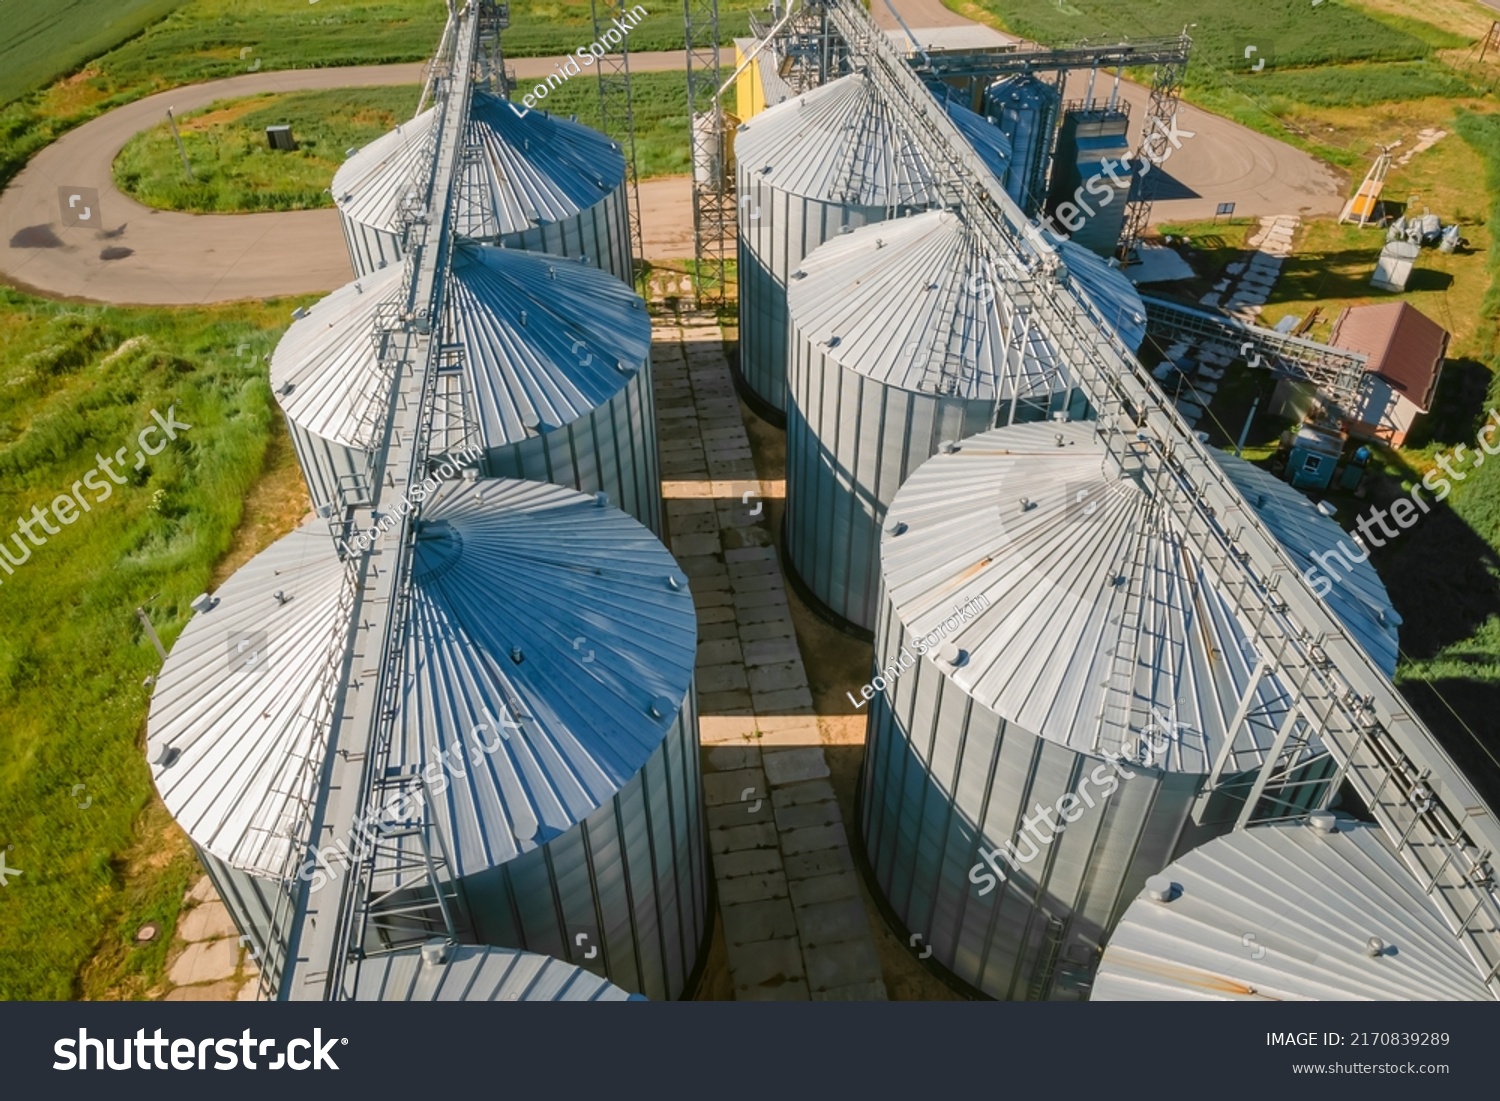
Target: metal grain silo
<point>545,369</point>
<point>546,703</point>
<point>1086,198</point>
<point>810,169</point>
<point>1056,673</point>
<point>528,180</point>
<point>893,351</point>
<point>1320,911</point>
<point>1025,109</point>
<point>441,972</point>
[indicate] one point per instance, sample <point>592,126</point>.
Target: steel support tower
<point>617,116</point>
<point>713,187</point>
<point>1332,706</point>
<point>1151,154</point>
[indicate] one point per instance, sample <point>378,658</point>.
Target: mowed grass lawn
<point>78,816</point>
<point>233,167</point>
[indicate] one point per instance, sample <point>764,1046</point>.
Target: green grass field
<point>75,381</point>
<point>46,38</point>
<point>234,169</point>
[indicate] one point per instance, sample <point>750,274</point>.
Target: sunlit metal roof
<point>544,341</point>
<point>550,646</point>
<point>470,973</point>
<point>1076,563</point>
<point>882,299</point>
<point>1287,913</point>
<point>530,168</point>
<point>1116,296</point>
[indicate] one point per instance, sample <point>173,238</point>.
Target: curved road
<point>137,255</point>
<point>140,256</point>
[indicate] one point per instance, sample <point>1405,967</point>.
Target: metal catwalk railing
<point>1339,702</point>
<point>1339,372</point>
<point>327,928</point>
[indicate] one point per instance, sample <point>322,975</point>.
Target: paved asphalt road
<point>143,256</point>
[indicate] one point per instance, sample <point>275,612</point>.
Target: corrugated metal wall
<point>945,776</point>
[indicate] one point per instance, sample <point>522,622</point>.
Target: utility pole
<point>186,167</point>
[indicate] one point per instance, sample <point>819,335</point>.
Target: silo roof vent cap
<point>435,952</point>
<point>1160,888</point>
<point>1324,821</point>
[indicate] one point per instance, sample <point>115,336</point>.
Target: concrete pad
<point>810,791</point>
<point>822,888</point>
<point>760,632</point>
<point>696,543</point>
<point>844,964</point>
<point>790,766</point>
<point>767,611</point>
<point>771,651</point>
<point>749,812</point>
<point>720,788</point>
<point>732,758</point>
<point>807,814</point>
<point>728,866</point>
<point>753,888</point>
<point>767,965</point>
<point>749,922</point>
<point>824,923</point>
<point>716,729</point>
<point>766,702</point>
<point>812,838</point>
<point>720,678</point>
<point>819,863</point>
<point>741,838</point>
<point>208,921</point>
<point>760,583</point>
<point>752,554</point>
<point>789,674</point>
<point>791,737</point>
<point>722,652</point>
<point>202,891</point>
<point>206,961</point>
<point>716,632</point>
<point>735,702</point>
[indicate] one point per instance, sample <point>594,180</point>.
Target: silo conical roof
<point>547,647</point>
<point>530,168</point>
<point>886,301</point>
<point>838,143</point>
<point>545,340</point>
<point>1077,565</point>
<point>1286,913</point>
<point>472,973</point>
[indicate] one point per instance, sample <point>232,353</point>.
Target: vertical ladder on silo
<point>453,422</point>
<point>1046,964</point>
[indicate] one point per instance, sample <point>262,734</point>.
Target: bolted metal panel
<point>532,181</point>
<point>1015,551</point>
<point>470,973</point>
<point>1286,913</point>
<point>808,170</point>
<point>894,350</point>
<point>550,377</point>
<point>548,708</point>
